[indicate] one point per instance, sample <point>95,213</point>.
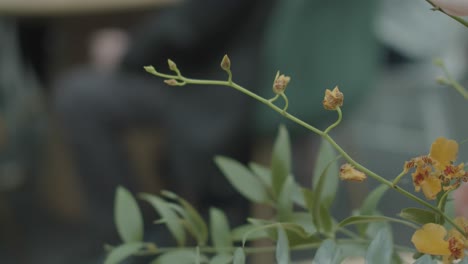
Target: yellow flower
<point>436,171</point>
<point>349,173</point>
<point>333,99</point>
<point>423,179</point>
<point>444,152</point>
<point>433,239</point>
<point>430,239</point>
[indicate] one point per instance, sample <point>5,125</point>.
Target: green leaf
<point>282,247</point>
<point>381,248</point>
<point>281,160</point>
<point>326,168</point>
<point>359,219</point>
<point>426,259</point>
<point>239,256</point>
<point>220,232</point>
<point>305,221</point>
<point>196,222</point>
<point>263,173</point>
<point>418,215</point>
<point>168,216</point>
<point>179,256</point>
<point>221,259</point>
<point>270,228</point>
<point>328,253</point>
<point>122,252</point>
<point>285,201</point>
<point>128,217</point>
<point>239,232</point>
<point>369,206</point>
<point>243,180</point>
<point>325,219</point>
<point>319,207</point>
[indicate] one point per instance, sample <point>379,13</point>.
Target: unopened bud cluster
<point>333,99</point>
<point>280,83</point>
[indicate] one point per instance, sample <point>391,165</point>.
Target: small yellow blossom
<point>444,151</point>
<point>433,239</point>
<point>430,185</point>
<point>333,99</point>
<point>280,83</point>
<point>349,173</point>
<point>436,171</point>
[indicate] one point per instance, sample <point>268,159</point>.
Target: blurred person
<point>96,104</point>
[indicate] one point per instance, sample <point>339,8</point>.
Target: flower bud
<point>171,82</point>
<point>150,69</point>
<point>172,65</point>
<point>349,173</point>
<point>226,63</point>
<point>453,7</point>
<point>280,83</point>
<point>333,99</point>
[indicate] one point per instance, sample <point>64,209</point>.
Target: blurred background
<point>79,116</point>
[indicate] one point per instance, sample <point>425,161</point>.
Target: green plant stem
<point>398,178</point>
<point>340,116</point>
<point>286,102</point>
<point>452,82</point>
<point>458,19</point>
<point>324,135</point>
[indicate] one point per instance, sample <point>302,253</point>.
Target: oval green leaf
<point>326,169</point>
<point>169,217</point>
<point>239,256</point>
<point>281,160</point>
<point>242,179</point>
<point>220,231</point>
<point>381,248</point>
<point>195,221</point>
<point>122,252</point>
<point>127,216</point>
<point>328,253</point>
<point>418,215</point>
<point>359,219</point>
<point>282,247</point>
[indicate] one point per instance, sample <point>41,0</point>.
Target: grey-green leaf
<point>220,232</point>
<point>326,155</point>
<point>328,253</point>
<point>239,256</point>
<point>221,259</point>
<point>122,252</point>
<point>359,219</point>
<point>369,206</point>
<point>182,256</point>
<point>418,215</point>
<point>285,200</point>
<point>169,217</point>
<point>127,216</point>
<point>281,160</point>
<point>242,179</point>
<point>381,248</point>
<point>282,247</point>
<point>426,259</point>
<point>194,219</point>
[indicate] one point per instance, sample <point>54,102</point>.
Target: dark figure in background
<point>96,107</point>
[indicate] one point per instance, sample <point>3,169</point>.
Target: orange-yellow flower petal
<point>444,151</point>
<point>431,187</point>
<point>430,240</point>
